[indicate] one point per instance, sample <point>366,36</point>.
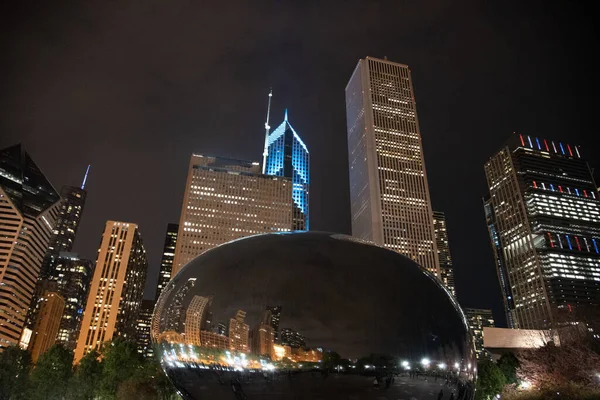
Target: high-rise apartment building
<point>144,322</point>
<point>543,215</point>
<point>389,194</point>
<point>288,156</point>
<point>72,276</point>
<point>228,199</point>
<point>443,249</point>
<point>263,339</point>
<point>271,317</point>
<point>166,262</point>
<point>479,319</point>
<point>239,333</point>
<point>292,338</point>
<point>115,294</point>
<point>47,324</point>
<point>29,206</point>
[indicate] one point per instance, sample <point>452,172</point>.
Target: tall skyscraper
<point>479,319</point>
<point>47,324</point>
<point>389,194</point>
<point>271,317</point>
<point>228,199</point>
<point>290,337</point>
<point>263,339</point>
<point>443,249</point>
<point>166,262</point>
<point>239,333</point>
<point>288,156</point>
<point>29,206</point>
<point>115,294</point>
<point>67,223</point>
<point>142,328</point>
<point>543,214</point>
<point>72,276</point>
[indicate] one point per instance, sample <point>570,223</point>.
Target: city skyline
<point>198,117</point>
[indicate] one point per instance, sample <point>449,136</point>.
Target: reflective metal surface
<point>311,316</point>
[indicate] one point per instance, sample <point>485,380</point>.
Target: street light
<point>425,362</point>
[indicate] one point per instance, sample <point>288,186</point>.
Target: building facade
<point>47,324</point>
<point>479,319</point>
<point>263,339</point>
<point>73,276</point>
<point>389,193</point>
<point>288,156</point>
<point>543,213</point>
<point>29,206</point>
<point>166,261</point>
<point>228,199</point>
<point>116,290</point>
<point>239,333</point>
<point>142,327</point>
<point>443,249</point>
<point>292,338</point>
<point>195,319</point>
<point>67,223</point>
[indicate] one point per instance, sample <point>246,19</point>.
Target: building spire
<point>285,116</point>
<point>267,129</point>
<point>87,171</point>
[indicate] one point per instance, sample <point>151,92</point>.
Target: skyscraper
<point>195,319</point>
<point>479,319</point>
<point>29,206</point>
<point>288,156</point>
<point>543,215</point>
<point>389,194</point>
<point>290,337</point>
<point>271,317</point>
<point>239,333</point>
<point>67,223</point>
<point>226,199</point>
<point>166,262</point>
<point>47,324</point>
<point>443,249</point>
<point>115,294</point>
<point>72,276</point>
<point>142,328</point>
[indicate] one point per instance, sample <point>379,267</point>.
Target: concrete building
<point>543,216</point>
<point>263,339</point>
<point>47,324</point>
<point>228,199</point>
<point>443,249</point>
<point>239,333</point>
<point>29,206</point>
<point>389,193</point>
<point>195,319</point>
<point>479,319</point>
<point>115,295</point>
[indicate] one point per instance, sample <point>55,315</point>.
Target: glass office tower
<point>288,156</point>
<point>543,215</point>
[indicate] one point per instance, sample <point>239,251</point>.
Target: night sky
<point>134,88</point>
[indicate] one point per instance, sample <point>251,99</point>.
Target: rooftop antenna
<point>267,129</point>
<point>87,171</point>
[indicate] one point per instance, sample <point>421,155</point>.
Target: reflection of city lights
<point>525,385</point>
<point>425,362</point>
<point>442,366</point>
<point>456,365</point>
<point>469,366</point>
<point>405,363</point>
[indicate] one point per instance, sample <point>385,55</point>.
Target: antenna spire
<point>87,171</point>
<point>267,130</point>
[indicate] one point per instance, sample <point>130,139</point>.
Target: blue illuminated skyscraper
<point>287,155</point>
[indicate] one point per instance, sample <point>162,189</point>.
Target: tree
<point>52,373</point>
<point>508,364</point>
<point>14,372</point>
<point>120,362</point>
<point>490,380</point>
<point>331,359</point>
<point>87,376</point>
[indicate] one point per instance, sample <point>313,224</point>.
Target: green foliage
<point>509,364</point>
<point>50,377</point>
<point>14,372</point>
<point>120,362</point>
<point>331,359</point>
<point>87,376</point>
<point>490,380</point>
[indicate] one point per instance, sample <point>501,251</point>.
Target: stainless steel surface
<point>355,321</point>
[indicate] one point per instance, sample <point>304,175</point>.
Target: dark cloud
<point>134,87</point>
